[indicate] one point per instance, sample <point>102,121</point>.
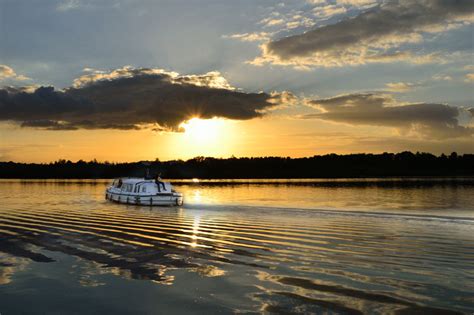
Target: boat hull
<point>172,199</point>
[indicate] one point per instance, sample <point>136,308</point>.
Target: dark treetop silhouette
<point>318,166</point>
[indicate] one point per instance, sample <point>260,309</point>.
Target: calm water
<point>331,247</point>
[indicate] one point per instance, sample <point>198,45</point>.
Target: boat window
<point>144,189</point>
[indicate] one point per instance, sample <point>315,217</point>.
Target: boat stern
<point>179,198</point>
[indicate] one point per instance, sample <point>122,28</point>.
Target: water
<point>333,247</point>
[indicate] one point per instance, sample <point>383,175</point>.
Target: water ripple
<point>348,262</point>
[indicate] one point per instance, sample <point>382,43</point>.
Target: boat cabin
<point>140,186</point>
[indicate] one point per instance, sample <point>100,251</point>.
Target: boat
<point>142,191</point>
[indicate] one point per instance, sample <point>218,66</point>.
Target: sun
<point>205,137</point>
<point>203,130</point>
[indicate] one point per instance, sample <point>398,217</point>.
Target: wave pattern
<point>299,260</point>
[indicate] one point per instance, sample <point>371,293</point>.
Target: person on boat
<point>159,183</point>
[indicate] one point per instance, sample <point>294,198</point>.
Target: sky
<point>137,80</point>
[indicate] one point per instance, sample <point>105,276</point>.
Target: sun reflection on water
<point>194,237</point>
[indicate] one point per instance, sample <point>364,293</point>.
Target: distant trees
<point>318,166</point>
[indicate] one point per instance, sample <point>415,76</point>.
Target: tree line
<point>318,166</point>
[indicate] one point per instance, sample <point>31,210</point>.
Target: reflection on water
<point>400,195</point>
<point>340,247</point>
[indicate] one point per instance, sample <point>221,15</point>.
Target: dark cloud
<point>85,124</point>
<point>48,124</point>
<point>381,28</point>
<point>429,120</point>
<point>129,98</point>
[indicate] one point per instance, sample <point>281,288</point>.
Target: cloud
<point>329,11</point>
<point>469,77</point>
<point>401,87</point>
<point>471,110</point>
<point>442,77</point>
<point>49,124</point>
<point>8,73</point>
<point>375,35</point>
<point>250,37</point>
<point>133,98</point>
<point>273,22</point>
<point>299,21</point>
<point>287,21</point>
<point>356,2</point>
<point>68,5</point>
<point>427,120</point>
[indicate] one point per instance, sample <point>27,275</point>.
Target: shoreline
<point>326,181</point>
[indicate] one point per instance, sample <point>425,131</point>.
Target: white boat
<point>140,191</point>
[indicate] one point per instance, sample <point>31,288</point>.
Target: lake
<point>346,246</point>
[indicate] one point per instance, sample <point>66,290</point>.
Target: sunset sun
<point>203,130</point>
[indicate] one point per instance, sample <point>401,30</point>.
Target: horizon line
<point>62,160</point>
